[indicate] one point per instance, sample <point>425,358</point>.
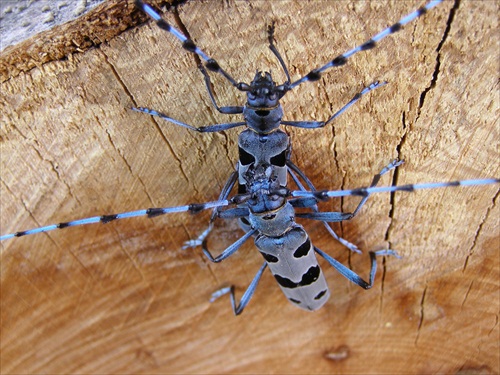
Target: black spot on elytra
<point>284,282</point>
<point>245,157</point>
<point>308,278</point>
<point>320,294</point>
<point>303,249</point>
<point>269,258</point>
<point>279,160</point>
<point>242,188</point>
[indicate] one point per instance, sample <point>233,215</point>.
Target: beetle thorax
<point>273,223</point>
<point>270,212</point>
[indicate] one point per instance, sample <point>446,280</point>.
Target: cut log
<point>124,298</point>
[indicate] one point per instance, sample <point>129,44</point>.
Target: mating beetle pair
<point>263,167</point>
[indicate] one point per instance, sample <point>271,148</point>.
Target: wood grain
<point>123,297</point>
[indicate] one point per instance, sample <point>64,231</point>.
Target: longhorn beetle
<point>265,206</point>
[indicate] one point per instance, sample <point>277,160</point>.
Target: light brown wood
<point>123,297</point>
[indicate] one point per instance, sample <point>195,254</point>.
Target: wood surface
<point>124,298</point>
